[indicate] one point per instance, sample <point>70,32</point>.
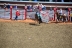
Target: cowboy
<point>61,13</point>
<point>17,14</point>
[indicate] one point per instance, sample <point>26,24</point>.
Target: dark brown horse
<point>38,19</point>
<point>60,17</point>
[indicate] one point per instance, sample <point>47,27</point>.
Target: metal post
<point>69,14</point>
<point>11,12</point>
<point>25,12</point>
<point>54,13</point>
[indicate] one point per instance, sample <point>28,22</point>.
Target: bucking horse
<point>38,19</point>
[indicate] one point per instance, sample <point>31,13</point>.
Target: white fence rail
<point>45,5</point>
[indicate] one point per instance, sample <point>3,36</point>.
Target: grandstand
<point>21,4</point>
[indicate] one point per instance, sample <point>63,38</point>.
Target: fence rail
<point>45,5</point>
<point>40,2</point>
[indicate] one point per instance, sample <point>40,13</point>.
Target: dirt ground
<point>18,34</point>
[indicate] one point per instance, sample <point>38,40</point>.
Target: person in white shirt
<point>61,13</point>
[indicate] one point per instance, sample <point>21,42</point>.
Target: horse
<point>60,17</point>
<point>38,19</point>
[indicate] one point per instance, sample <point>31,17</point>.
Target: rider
<point>61,13</point>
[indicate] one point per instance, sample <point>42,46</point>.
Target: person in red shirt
<point>17,14</point>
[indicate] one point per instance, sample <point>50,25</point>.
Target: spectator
<point>61,13</point>
<point>43,7</point>
<point>15,7</point>
<point>5,6</point>
<point>8,6</point>
<point>50,8</point>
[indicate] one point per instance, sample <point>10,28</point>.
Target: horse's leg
<point>56,19</point>
<point>62,18</point>
<point>59,18</point>
<point>36,19</point>
<point>40,20</point>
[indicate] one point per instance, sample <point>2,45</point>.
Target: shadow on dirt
<point>34,24</point>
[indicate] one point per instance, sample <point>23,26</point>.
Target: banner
<point>44,16</point>
<point>51,15</point>
<point>31,15</point>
